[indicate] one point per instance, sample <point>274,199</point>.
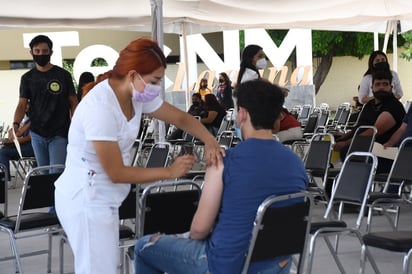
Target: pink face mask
<point>148,94</point>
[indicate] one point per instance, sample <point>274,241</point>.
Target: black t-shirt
<point>48,93</point>
<point>371,111</point>
<point>221,113</point>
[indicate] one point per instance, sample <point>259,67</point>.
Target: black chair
<point>395,241</point>
<point>351,187</point>
<point>399,177</point>
<point>3,190</point>
<point>32,219</point>
<point>225,139</point>
<point>317,163</point>
<point>158,155</point>
<point>167,207</point>
<point>280,230</point>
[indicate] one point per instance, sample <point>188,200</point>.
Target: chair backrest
<point>280,228</point>
<point>317,158</point>
<point>158,155</point>
<point>38,190</point>
<point>401,170</point>
<point>304,113</point>
<point>127,209</point>
<point>3,189</point>
<point>168,207</point>
<point>323,118</point>
<point>311,124</point>
<point>361,143</point>
<point>354,182</point>
<point>225,139</point>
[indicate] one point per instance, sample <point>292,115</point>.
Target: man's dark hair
<point>41,39</point>
<point>263,100</point>
<point>382,75</point>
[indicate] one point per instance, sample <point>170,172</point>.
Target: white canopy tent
<point>202,16</point>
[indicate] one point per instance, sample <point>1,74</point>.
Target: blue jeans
<point>10,153</point>
<point>49,151</point>
<point>176,255</point>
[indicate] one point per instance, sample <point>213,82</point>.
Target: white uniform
<point>365,86</point>
<point>87,201</point>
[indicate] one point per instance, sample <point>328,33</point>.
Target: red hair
<point>142,55</point>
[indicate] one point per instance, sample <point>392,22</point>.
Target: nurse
<point>104,126</point>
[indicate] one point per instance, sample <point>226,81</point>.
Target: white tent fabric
<point>201,16</point>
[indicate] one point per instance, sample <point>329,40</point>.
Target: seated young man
<point>221,229</point>
<point>384,111</point>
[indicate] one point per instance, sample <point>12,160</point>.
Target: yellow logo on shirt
<point>54,86</point>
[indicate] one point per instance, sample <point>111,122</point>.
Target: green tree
<point>327,44</point>
<point>407,45</point>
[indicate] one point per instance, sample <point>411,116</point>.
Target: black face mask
<point>41,60</point>
<point>221,81</point>
<point>382,95</point>
<point>196,103</point>
<point>381,66</point>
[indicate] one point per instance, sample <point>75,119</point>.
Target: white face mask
<point>149,93</point>
<point>261,63</point>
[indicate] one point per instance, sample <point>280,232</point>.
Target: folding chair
<point>32,218</point>
<point>280,230</point>
<point>359,143</point>
<point>22,166</point>
<point>400,176</point>
<point>158,155</point>
<point>3,190</point>
<point>304,114</point>
<point>395,241</point>
<point>166,207</point>
<point>317,162</point>
<point>351,186</point>
<point>225,139</point>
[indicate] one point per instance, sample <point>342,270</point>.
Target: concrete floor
<point>323,263</point>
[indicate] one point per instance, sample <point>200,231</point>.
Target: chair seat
<point>125,232</point>
<point>315,226</point>
<point>400,241</point>
<point>30,221</point>
<point>381,195</point>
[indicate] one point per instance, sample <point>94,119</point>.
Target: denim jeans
<point>174,255</point>
<point>49,151</point>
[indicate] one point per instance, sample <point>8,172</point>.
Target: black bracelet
<point>16,124</point>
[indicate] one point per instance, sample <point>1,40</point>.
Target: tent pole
<point>157,34</point>
<point>395,46</point>
<point>376,41</point>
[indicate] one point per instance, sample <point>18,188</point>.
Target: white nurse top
<point>365,86</point>
<point>99,117</point>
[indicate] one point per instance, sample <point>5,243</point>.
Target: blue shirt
<point>253,170</point>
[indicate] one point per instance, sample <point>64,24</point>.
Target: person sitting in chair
<point>250,172</point>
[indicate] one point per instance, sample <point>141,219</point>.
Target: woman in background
<point>378,61</point>
<point>253,59</point>
<point>224,91</point>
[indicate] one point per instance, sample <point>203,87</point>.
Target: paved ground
<point>323,263</point>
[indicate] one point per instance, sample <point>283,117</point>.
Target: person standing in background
<point>224,91</point>
<point>378,62</point>
<point>253,59</point>
<point>85,78</point>
<point>52,97</point>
